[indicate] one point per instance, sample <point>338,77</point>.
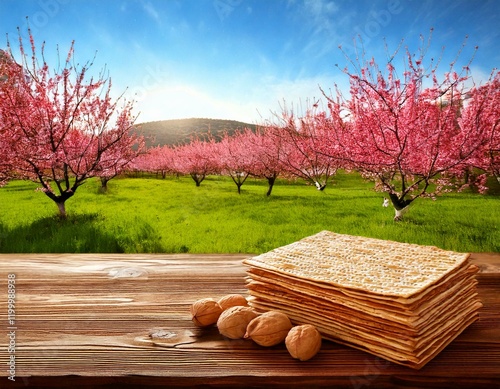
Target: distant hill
<point>180,131</point>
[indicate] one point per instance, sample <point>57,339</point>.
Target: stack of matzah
<point>402,302</point>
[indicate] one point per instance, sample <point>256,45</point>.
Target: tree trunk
<point>319,186</point>
<point>104,184</point>
<point>400,206</point>
<point>61,200</point>
<point>399,213</point>
<point>271,181</point>
<point>239,179</point>
<point>466,176</point>
<point>62,209</point>
<point>198,178</point>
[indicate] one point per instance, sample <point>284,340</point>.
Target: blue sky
<point>240,59</point>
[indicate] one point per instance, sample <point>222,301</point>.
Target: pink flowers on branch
<point>303,139</point>
<point>159,160</point>
<point>60,128</point>
<point>8,73</point>
<point>483,112</point>
<point>197,158</point>
<point>265,148</point>
<point>236,157</point>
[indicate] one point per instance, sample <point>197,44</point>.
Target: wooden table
<point>92,320</point>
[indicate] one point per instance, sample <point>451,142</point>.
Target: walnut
<point>232,300</point>
<point>269,329</point>
<point>303,342</point>
<point>233,321</point>
<point>205,312</point>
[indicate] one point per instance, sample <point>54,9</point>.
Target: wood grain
<point>99,320</point>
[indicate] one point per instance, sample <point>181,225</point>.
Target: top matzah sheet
<point>366,264</point>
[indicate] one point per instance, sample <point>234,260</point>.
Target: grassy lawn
<point>150,215</point>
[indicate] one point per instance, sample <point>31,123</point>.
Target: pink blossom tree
<point>266,147</point>
<point>197,159</point>
<point>6,161</point>
<point>119,157</point>
<point>159,160</point>
<point>402,133</point>
<point>303,143</point>
<point>235,157</point>
<point>482,110</point>
<point>62,127</point>
<point>8,73</point>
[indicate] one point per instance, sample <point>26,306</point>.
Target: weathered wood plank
<point>88,319</point>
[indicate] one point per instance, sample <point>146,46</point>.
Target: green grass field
<point>151,215</point>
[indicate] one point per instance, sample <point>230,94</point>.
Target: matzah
<point>371,265</point>
<point>403,302</point>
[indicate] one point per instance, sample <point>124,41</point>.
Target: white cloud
<point>323,24</point>
<point>151,11</point>
<point>321,12</point>
<point>321,8</point>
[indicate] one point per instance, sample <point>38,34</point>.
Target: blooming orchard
<point>415,133</point>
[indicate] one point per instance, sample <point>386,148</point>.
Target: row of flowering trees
<point>415,135</point>
<point>268,152</point>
